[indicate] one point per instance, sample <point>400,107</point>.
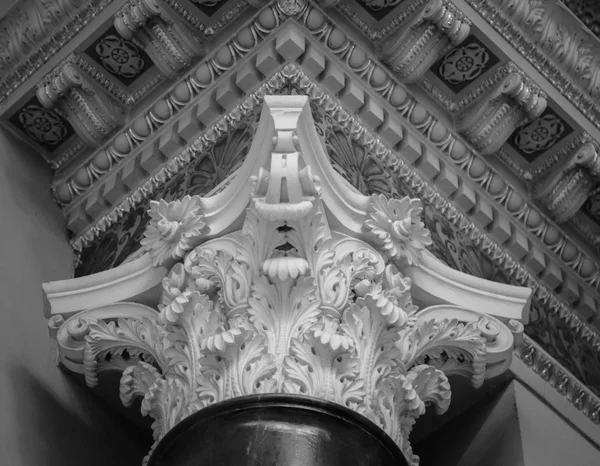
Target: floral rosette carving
<point>397,227</point>
<point>172,228</point>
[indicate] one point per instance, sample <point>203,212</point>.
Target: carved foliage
<point>346,333</point>
<point>343,329</point>
<point>285,304</point>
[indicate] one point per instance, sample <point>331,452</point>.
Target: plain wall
<point>549,440</point>
<point>512,428</point>
<point>46,419</point>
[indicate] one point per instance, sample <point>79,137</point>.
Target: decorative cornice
<point>582,224</point>
<point>559,378</point>
<point>167,107</point>
<point>216,27</point>
<point>472,166</point>
<point>475,168</point>
<point>35,31</point>
<point>484,86</point>
<point>179,161</point>
<point>576,80</point>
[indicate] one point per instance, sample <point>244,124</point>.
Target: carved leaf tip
<point>173,227</point>
<point>396,226</point>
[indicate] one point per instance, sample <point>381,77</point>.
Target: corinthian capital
<point>288,281</point>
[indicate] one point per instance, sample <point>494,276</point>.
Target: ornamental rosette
<point>172,228</point>
<point>397,227</point>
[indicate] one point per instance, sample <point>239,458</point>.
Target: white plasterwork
<point>287,280</point>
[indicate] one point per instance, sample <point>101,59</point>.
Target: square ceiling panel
<point>44,127</point>
<point>120,57</point>
<point>534,139</point>
<point>465,64</point>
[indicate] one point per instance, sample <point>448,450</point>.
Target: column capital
<point>288,280</point>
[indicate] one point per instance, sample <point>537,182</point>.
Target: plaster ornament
<point>295,287</point>
<point>397,225</point>
<point>120,57</point>
<point>464,64</point>
<point>93,114</point>
<point>564,190</point>
<point>490,120</point>
<point>172,228</point>
<point>42,125</point>
<point>291,7</point>
<point>557,33</point>
<point>168,41</point>
<point>426,36</point>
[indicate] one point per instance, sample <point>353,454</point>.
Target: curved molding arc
<point>133,281</point>
<point>434,283</point>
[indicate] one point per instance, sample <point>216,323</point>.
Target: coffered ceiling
<point>486,109</point>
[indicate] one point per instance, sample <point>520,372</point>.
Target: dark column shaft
<point>276,430</point>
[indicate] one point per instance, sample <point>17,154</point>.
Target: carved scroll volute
<point>170,43</point>
<point>93,113</point>
<point>562,192</point>
<point>489,121</point>
<point>134,16</point>
<point>432,30</point>
<point>288,303</point>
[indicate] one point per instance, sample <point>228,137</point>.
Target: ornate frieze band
<point>560,379</point>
